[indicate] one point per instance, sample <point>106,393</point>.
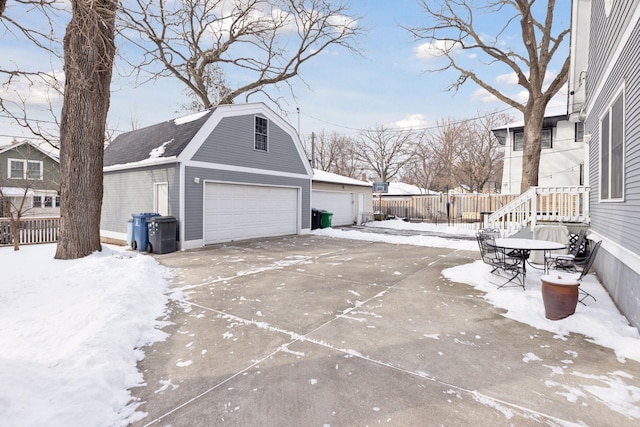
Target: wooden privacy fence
<point>434,207</point>
<point>32,230</point>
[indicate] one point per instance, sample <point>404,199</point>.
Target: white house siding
<point>131,191</point>
<point>559,165</point>
<point>614,61</point>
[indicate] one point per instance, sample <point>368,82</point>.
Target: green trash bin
<point>325,219</point>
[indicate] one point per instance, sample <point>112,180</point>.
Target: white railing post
<point>534,207</point>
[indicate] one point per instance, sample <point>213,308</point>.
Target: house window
<point>48,201</point>
<point>579,132</point>
<point>57,200</point>
<point>518,141</point>
<point>262,129</point>
<point>545,139</point>
<point>16,169</point>
<point>612,150</point>
<point>34,170</point>
<point>37,201</point>
<point>25,169</point>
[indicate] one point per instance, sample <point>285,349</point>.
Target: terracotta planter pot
<point>560,296</point>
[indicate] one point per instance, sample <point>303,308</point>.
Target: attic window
<point>261,135</point>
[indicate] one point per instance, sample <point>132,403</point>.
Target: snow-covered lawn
<point>71,331</point>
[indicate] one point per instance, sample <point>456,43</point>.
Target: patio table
<point>521,248</point>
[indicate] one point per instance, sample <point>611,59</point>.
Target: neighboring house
<point>28,170</point>
<point>350,200</point>
<point>230,173</point>
<point>400,189</point>
<point>604,87</point>
<point>561,159</point>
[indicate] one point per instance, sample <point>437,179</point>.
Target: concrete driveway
<point>315,331</point>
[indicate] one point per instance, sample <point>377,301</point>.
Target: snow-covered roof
<point>402,189</point>
<point>156,143</point>
<point>41,146</point>
<point>324,176</point>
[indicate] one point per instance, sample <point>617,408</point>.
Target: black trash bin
<point>162,234</point>
<point>316,219</point>
<point>140,230</point>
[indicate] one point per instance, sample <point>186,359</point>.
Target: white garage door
<point>236,212</point>
<point>341,204</point>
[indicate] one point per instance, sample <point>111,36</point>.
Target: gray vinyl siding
<point>616,221</point>
<point>232,143</point>
<point>622,283</point>
<point>132,191</point>
<point>194,194</point>
<point>619,221</point>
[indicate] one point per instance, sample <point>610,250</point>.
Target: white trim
<point>156,161</point>
<point>613,62</point>
<point>182,194</point>
<point>234,110</point>
<point>620,92</point>
<point>191,244</point>
<point>255,133</point>
<point>625,256</point>
<point>232,168</point>
<point>113,235</point>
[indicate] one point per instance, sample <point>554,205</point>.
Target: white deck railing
<point>556,204</point>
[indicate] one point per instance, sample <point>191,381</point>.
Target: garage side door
<point>341,204</point>
<point>236,212</point>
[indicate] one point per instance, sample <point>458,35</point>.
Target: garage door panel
<point>341,204</point>
<point>236,212</point>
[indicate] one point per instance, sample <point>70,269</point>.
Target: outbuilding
<point>230,173</point>
<point>350,200</point>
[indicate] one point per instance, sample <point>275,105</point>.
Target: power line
<point>408,128</point>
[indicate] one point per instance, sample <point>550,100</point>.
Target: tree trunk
<point>88,62</point>
<point>533,122</point>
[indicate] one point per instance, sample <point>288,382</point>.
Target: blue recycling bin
<point>140,230</point>
<point>130,233</point>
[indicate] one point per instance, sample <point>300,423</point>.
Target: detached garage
<point>350,200</point>
<point>230,173</point>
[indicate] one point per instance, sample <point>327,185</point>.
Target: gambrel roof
<point>160,141</point>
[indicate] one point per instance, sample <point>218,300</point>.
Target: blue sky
<point>386,85</point>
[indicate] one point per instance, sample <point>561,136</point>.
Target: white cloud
<point>412,121</point>
<point>508,78</point>
<point>35,92</point>
<point>435,49</point>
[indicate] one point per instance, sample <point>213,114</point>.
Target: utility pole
<point>313,149</point>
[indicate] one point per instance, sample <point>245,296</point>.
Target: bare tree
<point>454,28</point>
<point>333,152</point>
<point>21,85</point>
<point>479,157</point>
<point>88,63</point>
<point>439,149</point>
<point>385,152</point>
<point>224,49</point>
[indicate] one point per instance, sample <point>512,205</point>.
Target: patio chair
<point>586,263</point>
<point>568,261</point>
<point>501,262</point>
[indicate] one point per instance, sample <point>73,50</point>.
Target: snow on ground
<point>599,320</point>
<point>71,331</point>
